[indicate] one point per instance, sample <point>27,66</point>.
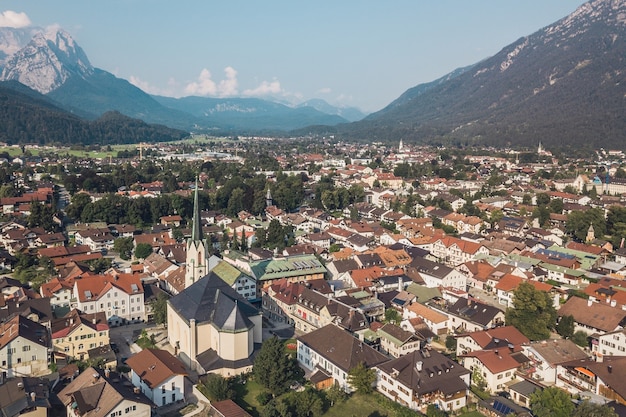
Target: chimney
<point>589,302</point>
<point>609,368</point>
<point>613,303</point>
<point>418,366</point>
<point>33,396</point>
<point>94,321</point>
<point>400,284</point>
<point>107,372</point>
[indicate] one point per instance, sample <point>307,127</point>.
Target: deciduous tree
<point>362,378</point>
<point>532,313</point>
<point>551,402</point>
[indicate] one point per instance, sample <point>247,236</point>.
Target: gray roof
<point>427,371</point>
<point>341,348</point>
<point>525,387</point>
<point>15,395</point>
<point>211,300</point>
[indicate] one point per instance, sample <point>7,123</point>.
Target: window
<point>81,346</point>
<point>163,389</point>
<point>25,348</point>
<point>173,397</point>
<point>66,349</point>
<point>11,350</point>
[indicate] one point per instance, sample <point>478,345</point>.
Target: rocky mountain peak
<point>47,61</point>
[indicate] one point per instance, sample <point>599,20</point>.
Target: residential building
<point>331,353</point>
<point>119,296</point>
<point>243,283</point>
<point>424,377</point>
<point>24,348</point>
<point>546,355</point>
<point>25,397</point>
<point>395,341</point>
<point>605,378</point>
<point>99,393</point>
<point>609,344</point>
<point>593,317</point>
<point>76,333</point>
<point>159,375</point>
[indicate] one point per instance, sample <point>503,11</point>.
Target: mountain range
<point>53,64</point>
<point>562,85</point>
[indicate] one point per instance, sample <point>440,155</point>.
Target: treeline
<point>27,119</point>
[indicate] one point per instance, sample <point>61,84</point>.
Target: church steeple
<point>197,262</point>
<point>196,230</point>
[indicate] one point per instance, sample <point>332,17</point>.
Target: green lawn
<point>356,405</point>
<point>472,414</point>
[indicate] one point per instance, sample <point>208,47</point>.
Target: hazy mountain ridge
<point>52,63</point>
<point>563,84</point>
<point>27,116</point>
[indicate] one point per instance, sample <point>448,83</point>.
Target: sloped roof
<point>155,366</point>
<point>597,315</point>
<point>341,348</point>
<point>426,372</point>
<point>211,300</point>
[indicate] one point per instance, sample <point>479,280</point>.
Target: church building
<point>211,327</point>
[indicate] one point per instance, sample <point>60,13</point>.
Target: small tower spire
<point>196,231</point>
<point>268,198</point>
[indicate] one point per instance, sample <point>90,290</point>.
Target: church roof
<point>211,300</point>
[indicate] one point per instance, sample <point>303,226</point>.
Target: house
<point>467,315</point>
<point>495,367</point>
<point>99,393</point>
<point>395,341</point>
<point>77,332</point>
<point>333,352</point>
<point>98,240</point>
<point>609,344</point>
<point>605,378</point>
<point>546,355</point>
<point>159,375</point>
<point>119,296</point>
<point>592,317</point>
<point>424,377</point>
<point>227,408</point>
<point>24,347</point>
<point>434,274</point>
<point>25,397</point>
<point>506,286</point>
<point>212,328</point>
<point>244,284</point>
<point>505,336</point>
<point>436,321</point>
<point>59,291</point>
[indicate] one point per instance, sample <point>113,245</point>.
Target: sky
<point>362,54</point>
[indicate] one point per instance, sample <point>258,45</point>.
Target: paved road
<point>125,336</point>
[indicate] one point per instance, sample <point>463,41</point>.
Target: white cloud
<point>265,88</point>
<point>12,19</point>
<point>228,86</point>
<point>325,90</point>
<point>205,86</point>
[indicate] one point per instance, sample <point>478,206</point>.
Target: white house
<point>24,347</point>
<point>159,375</point>
<point>119,296</point>
<point>334,352</point>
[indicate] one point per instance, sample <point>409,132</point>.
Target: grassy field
<point>16,151</point>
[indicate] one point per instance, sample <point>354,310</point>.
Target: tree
<point>580,338</point>
<point>335,395</point>
<point>551,402</point>
<point>159,308</point>
<point>392,316</point>
<point>124,246</point>
<point>307,403</point>
<point>143,250</point>
<point>533,313</point>
<point>274,368</point>
<point>362,378</point>
<point>218,388</point>
<point>565,326</point>
<point>451,343</point>
<point>433,411</point>
<point>589,409</point>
